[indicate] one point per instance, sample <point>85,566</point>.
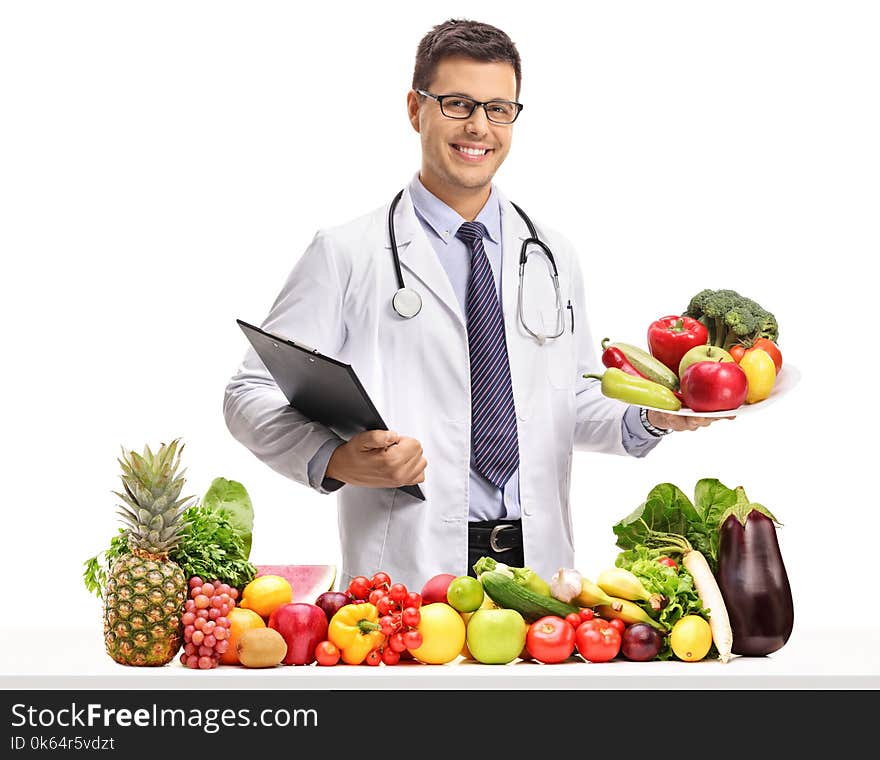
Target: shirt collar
<point>445,221</point>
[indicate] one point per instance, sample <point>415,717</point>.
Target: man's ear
<point>412,109</point>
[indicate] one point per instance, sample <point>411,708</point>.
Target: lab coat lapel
<point>418,256</point>
<point>513,233</point>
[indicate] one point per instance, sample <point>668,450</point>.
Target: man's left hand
<point>679,422</point>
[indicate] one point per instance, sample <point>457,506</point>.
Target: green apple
<point>496,637</point>
<point>703,353</point>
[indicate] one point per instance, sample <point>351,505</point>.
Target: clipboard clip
<point>298,345</point>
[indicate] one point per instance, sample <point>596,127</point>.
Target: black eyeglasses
<point>460,107</point>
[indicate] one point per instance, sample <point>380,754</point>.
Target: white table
<point>812,659</point>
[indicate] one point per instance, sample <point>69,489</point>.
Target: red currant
<point>413,599</point>
<point>390,657</point>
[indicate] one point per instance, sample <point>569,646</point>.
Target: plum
<point>641,642</point>
<point>331,602</point>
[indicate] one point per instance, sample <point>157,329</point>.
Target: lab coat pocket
<point>558,352</point>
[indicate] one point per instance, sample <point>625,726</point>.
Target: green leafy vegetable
<point>95,572</point>
<point>668,510</point>
<point>232,496</point>
<point>212,548</point>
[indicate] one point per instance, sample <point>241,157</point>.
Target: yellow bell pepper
<point>355,630</point>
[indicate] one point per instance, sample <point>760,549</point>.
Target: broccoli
<point>732,318</point>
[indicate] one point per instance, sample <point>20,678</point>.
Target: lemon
<point>691,638</point>
<point>265,594</point>
<point>443,634</point>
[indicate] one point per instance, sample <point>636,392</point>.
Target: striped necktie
<point>493,418</point>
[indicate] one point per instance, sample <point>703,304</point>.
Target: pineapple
<point>146,591</point>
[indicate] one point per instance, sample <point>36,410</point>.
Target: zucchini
<point>507,593</point>
<point>648,365</point>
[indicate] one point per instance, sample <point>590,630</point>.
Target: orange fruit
<point>239,621</point>
<point>265,594</point>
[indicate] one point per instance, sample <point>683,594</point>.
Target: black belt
<point>497,535</point>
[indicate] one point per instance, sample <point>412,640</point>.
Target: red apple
<point>714,386</point>
<point>303,627</point>
<point>435,589</point>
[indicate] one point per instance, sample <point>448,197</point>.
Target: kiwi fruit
<point>261,648</point>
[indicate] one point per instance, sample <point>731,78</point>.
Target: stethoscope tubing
<point>407,302</point>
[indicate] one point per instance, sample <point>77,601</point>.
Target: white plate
<point>787,378</point>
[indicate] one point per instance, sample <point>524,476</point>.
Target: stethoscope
<point>407,302</point>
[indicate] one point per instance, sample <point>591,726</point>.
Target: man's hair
<point>470,39</point>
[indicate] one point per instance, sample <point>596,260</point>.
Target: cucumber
<point>650,367</point>
<point>507,593</point>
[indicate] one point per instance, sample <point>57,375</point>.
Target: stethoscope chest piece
<point>407,303</point>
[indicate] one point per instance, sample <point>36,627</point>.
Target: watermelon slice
<point>307,581</point>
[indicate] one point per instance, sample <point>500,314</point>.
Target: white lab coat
<point>337,299</point>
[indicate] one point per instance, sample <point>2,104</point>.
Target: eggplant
<point>754,584</point>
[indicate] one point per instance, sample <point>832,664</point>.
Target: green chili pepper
<point>636,390</point>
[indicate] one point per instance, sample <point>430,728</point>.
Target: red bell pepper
<point>670,338</point>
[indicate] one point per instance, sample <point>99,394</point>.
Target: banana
<point>591,595</point>
<point>624,584</point>
<point>628,612</point>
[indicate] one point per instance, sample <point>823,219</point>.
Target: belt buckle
<point>493,543</point>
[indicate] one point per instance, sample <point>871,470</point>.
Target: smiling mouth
<point>471,154</point>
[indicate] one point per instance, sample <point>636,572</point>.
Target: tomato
<point>668,561</point>
<point>385,605</point>
<point>771,348</point>
<point>618,625</point>
<point>597,641</point>
<point>586,614</point>
<point>359,587</point>
<point>380,580</point>
<point>592,623</point>
<point>574,619</point>
<point>737,351</point>
<point>327,653</point>
<point>374,657</point>
<point>550,639</point>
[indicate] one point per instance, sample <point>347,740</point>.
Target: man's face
<point>443,161</point>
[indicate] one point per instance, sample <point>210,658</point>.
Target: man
<point>487,390</point>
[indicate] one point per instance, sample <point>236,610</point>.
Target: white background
<point>163,165</point>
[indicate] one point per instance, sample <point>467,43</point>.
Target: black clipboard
<point>324,389</point>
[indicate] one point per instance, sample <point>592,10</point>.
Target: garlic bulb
<point>566,584</point>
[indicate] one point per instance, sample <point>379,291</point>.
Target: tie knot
<point>470,232</point>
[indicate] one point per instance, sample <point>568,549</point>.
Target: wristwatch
<point>652,429</point>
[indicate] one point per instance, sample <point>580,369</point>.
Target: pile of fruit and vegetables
<point>694,579</point>
<point>721,352</point>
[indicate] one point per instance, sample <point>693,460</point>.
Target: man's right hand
<point>378,459</point>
